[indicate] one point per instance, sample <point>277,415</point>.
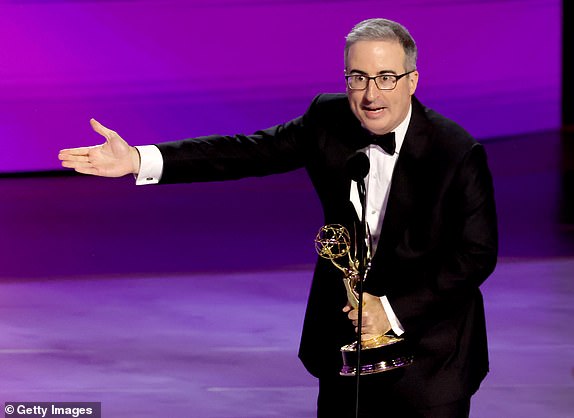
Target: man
<point>430,207</point>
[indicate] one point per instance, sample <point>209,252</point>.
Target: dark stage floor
<point>164,302</point>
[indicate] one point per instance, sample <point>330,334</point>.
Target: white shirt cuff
<point>151,165</point>
<point>394,321</point>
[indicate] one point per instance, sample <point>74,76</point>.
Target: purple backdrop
<point>159,70</point>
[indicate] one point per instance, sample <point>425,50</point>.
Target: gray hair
<point>384,30</point>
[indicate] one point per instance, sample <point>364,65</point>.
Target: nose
<point>372,91</point>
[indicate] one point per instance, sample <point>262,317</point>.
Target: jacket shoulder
<point>329,102</point>
<point>436,134</point>
<point>331,112</point>
<point>448,131</point>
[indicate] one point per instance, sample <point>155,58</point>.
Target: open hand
<point>113,158</point>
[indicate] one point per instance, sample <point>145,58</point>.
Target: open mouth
<point>373,110</point>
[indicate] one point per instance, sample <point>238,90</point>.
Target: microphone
<point>358,166</point>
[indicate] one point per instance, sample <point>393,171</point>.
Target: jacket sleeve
<point>274,150</point>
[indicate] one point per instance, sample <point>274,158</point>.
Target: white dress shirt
<point>151,165</point>
<point>378,185</point>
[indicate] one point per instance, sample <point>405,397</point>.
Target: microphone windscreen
<point>358,166</point>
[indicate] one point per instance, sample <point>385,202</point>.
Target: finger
<point>84,167</point>
<point>367,337</point>
<point>73,158</point>
<point>65,153</point>
<point>76,164</point>
<point>347,308</point>
<point>87,170</point>
<point>365,334</point>
<point>101,129</point>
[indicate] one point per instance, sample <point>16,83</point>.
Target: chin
<point>375,129</point>
<point>375,126</point>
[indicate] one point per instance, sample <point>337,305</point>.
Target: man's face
<point>380,111</point>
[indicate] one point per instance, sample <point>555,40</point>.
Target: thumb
<point>101,129</point>
<point>347,308</point>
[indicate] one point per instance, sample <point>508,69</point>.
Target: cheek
<point>355,104</point>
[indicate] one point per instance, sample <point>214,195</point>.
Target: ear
<point>413,82</point>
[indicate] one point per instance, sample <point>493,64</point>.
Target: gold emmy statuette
<point>380,353</point>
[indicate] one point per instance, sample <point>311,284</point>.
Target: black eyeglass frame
<point>397,77</point>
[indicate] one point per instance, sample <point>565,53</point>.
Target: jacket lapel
<point>406,175</point>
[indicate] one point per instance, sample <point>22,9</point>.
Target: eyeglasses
<point>383,81</point>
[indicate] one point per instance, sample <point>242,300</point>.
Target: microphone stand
<point>358,166</point>
<point>364,250</point>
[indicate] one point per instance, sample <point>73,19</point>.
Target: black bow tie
<point>386,142</point>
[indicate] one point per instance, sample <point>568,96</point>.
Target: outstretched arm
<point>113,158</point>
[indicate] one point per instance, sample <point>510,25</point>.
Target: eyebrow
<point>382,72</point>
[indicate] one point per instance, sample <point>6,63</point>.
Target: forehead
<point>376,56</point>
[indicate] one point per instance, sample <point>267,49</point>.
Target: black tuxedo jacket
<point>437,245</point>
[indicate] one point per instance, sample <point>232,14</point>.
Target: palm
<point>113,158</point>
